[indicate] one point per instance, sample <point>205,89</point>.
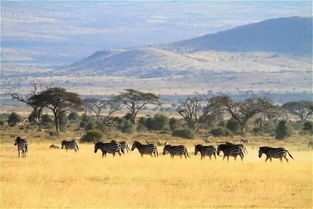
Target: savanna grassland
<point>59,179</point>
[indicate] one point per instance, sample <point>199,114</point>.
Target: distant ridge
<point>273,45</point>
<point>286,35</point>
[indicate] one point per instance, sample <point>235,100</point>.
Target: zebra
<point>111,147</point>
<point>205,151</point>
<point>232,150</point>
<point>73,144</point>
<point>145,149</point>
<point>271,152</point>
<point>22,146</point>
<point>123,144</point>
<point>179,150</point>
<point>52,146</point>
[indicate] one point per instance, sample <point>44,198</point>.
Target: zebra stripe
<point>272,152</point>
<point>205,151</point>
<point>231,150</point>
<point>22,146</point>
<point>147,149</point>
<point>124,146</point>
<point>73,144</point>
<point>179,150</point>
<point>111,147</point>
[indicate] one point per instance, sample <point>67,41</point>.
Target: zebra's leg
<point>281,159</point>
<point>119,152</point>
<point>18,153</point>
<point>224,157</point>
<point>141,154</point>
<point>241,157</point>
<point>267,158</point>
<point>113,154</point>
<point>286,158</point>
<point>214,156</point>
<point>227,157</point>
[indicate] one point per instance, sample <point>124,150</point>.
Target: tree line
<point>197,113</point>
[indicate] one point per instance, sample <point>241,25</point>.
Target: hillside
<point>290,35</point>
<point>265,46</point>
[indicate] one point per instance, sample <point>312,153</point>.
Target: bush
<point>283,130</point>
<point>126,126</point>
<point>221,131</point>
<point>46,121</point>
<point>233,125</point>
<point>92,136</point>
<point>73,116</point>
<point>160,122</point>
<point>14,118</point>
<point>176,124</point>
<point>184,133</point>
<point>63,121</point>
<point>2,123</point>
<point>308,126</point>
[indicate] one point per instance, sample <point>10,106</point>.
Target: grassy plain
<point>58,179</point>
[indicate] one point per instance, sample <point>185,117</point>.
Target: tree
<point>301,109</point>
<point>37,108</point>
<point>58,100</point>
<point>194,114</point>
<point>14,118</point>
<point>73,116</point>
<point>135,100</point>
<point>96,106</point>
<point>283,130</point>
<point>243,111</point>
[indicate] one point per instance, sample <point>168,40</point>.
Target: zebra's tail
<point>289,154</point>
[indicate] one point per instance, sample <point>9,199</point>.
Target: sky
<point>62,32</point>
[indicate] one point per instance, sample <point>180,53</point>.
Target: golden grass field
<point>58,179</point>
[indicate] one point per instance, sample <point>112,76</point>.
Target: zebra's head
<point>166,149</point>
<point>260,152</point>
<point>17,140</point>
<point>135,144</point>
<point>96,147</point>
<point>220,148</point>
<point>197,148</point>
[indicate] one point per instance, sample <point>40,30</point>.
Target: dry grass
<point>59,179</point>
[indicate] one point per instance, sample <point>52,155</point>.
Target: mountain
<point>267,46</point>
<point>288,35</point>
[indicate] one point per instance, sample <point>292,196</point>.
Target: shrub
<point>160,122</point>
<point>221,131</point>
<point>308,126</point>
<point>283,130</point>
<point>91,136</point>
<point>184,133</point>
<point>126,126</point>
<point>233,125</point>
<point>73,116</point>
<point>63,121</point>
<point>14,118</point>
<point>176,124</point>
<point>2,123</point>
<point>46,119</point>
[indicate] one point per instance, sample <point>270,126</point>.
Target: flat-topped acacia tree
<point>135,100</point>
<point>58,100</point>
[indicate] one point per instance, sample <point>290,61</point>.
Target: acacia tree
<point>58,100</point>
<point>302,109</point>
<point>97,106</point>
<point>243,111</point>
<point>135,100</point>
<point>37,108</point>
<point>194,113</point>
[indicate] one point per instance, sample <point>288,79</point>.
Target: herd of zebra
<point>228,149</point>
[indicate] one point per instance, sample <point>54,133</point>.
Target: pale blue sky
<point>61,32</point>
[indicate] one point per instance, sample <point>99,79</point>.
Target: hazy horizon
<point>56,33</point>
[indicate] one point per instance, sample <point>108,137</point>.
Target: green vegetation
<point>14,118</point>
<point>92,136</point>
<point>184,133</point>
<point>283,130</point>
